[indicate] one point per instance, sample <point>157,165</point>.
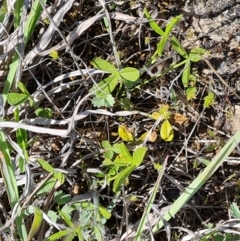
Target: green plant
<point>166,130</point>
<point>102,91</point>
<point>8,174</point>
<point>16,99</point>
<point>123,164</point>
<point>201,179</point>
<point>31,22</point>
<point>195,55</point>
<point>89,224</point>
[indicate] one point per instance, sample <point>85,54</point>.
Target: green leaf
<point>179,48</point>
<point>32,20</point>
<point>191,93</point>
<point>130,74</point>
<point>52,215</point>
<point>122,176</point>
<point>106,145</point>
<point>46,166</point>
<point>129,84</point>
<point>172,23</point>
<point>126,104</point>
<point>211,134</point>
<point>163,111</point>
<point>104,212</point>
<point>117,148</point>
<point>161,45</point>
<point>153,24</point>
<point>107,162</point>
<point>166,131</point>
<point>59,176</point>
<point>108,154</point>
<point>43,112</point>
<point>121,160</point>
<point>31,101</point>
<point>97,233</point>
<point>235,210</point>
<point>16,98</point>
<point>59,235</point>
<point>105,86</point>
<point>138,155</point>
<point>22,138</point>
<point>10,184</point>
<point>208,100</point>
<point>103,101</point>
<point>196,54</point>
<point>47,187</point>
<point>61,198</point>
<point>37,221</point>
<point>125,152</point>
<point>186,74</point>
<point>22,87</point>
<point>104,65</point>
<point>66,218</point>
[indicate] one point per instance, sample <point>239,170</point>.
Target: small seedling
<point>124,163</point>
<point>102,92</point>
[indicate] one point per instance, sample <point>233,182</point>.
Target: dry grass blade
<point>74,34</point>
<point>46,38</point>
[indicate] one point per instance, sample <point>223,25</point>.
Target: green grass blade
<point>10,182</point>
<point>32,20</point>
<point>28,30</point>
<point>17,13</point>
<point>150,202</point>
<point>38,216</point>
<point>201,179</point>
<point>10,78</point>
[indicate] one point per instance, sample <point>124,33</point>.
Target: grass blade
<point>201,179</point>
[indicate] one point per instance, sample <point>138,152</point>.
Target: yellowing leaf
<point>155,115</point>
<point>124,133</point>
<point>152,137</point>
<point>166,131</point>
